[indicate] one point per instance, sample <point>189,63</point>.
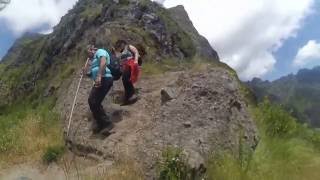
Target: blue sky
<point>257,38</point>
<point>287,53</point>
<point>7,38</point>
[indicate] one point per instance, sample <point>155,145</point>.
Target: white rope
<point>75,100</point>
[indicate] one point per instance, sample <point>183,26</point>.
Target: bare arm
<point>102,68</point>
<point>135,51</point>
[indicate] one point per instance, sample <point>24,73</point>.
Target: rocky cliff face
<point>204,49</point>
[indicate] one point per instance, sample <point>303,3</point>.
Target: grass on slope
<point>287,150</point>
<point>122,169</point>
<point>27,134</point>
<point>197,64</point>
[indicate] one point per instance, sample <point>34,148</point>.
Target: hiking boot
<point>104,133</point>
<point>96,129</point>
<point>133,99</point>
<point>101,126</point>
<point>107,130</point>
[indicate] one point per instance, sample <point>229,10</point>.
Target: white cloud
<point>160,1</point>
<point>21,16</point>
<point>246,32</point>
<point>309,53</point>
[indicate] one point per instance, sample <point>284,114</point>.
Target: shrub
<point>173,165</point>
<point>275,120</point>
<point>53,153</point>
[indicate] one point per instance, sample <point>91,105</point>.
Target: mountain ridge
<point>299,93</point>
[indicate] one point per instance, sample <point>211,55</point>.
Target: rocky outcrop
<point>203,46</point>
<point>139,22</point>
<point>203,113</point>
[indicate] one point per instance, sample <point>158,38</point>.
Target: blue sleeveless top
<point>95,64</point>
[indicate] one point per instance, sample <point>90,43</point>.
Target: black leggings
<point>96,97</point>
<point>127,84</point>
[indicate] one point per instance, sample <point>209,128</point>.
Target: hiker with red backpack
<point>129,60</point>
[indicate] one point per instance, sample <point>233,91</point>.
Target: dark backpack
<point>114,67</point>
<point>141,50</point>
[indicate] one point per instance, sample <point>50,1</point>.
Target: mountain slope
<point>36,63</point>
<point>299,93</point>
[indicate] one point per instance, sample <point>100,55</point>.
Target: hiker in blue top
<point>101,74</point>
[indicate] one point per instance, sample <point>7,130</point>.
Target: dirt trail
<point>69,167</point>
<point>32,172</point>
<point>130,121</point>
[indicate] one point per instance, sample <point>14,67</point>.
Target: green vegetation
<point>27,132</point>
<point>2,68</point>
<point>300,94</point>
<point>53,153</point>
<point>173,165</point>
<point>19,68</point>
<point>123,168</point>
<point>144,4</point>
<point>196,64</point>
<point>248,95</point>
<point>156,68</point>
<point>287,150</point>
<point>30,130</point>
<point>124,2</point>
<point>181,37</point>
<point>92,12</point>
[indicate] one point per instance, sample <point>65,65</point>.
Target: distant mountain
<point>300,94</point>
